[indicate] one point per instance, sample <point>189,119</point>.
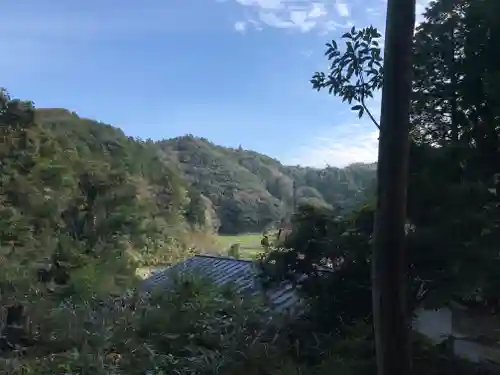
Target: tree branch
<point>363,101</point>
<point>369,114</point>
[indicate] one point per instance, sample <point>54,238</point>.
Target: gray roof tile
<point>241,275</point>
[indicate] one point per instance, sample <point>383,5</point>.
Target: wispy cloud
<point>318,15</point>
<point>342,9</point>
<point>349,141</point>
<point>338,146</point>
<point>346,143</point>
<point>240,26</point>
<point>301,15</point>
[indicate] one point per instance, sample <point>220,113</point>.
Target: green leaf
<point>361,111</point>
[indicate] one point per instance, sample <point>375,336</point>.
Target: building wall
<point>461,324</point>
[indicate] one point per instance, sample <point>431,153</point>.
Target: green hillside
<point>213,187</point>
<point>251,191</point>
<point>75,192</point>
<point>76,179</point>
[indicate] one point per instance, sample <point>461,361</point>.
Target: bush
<point>196,328</point>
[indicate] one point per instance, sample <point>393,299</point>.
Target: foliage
<point>196,328</point>
<point>251,192</point>
<point>357,73</point>
<point>455,119</point>
<point>455,224</point>
<point>236,190</point>
<point>452,249</point>
<point>340,302</point>
<point>75,193</point>
<point>333,254</point>
<point>452,204</point>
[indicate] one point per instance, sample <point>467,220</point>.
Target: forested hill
<point>230,190</point>
<point>75,186</point>
<point>251,191</point>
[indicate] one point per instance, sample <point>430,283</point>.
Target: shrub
<point>195,328</point>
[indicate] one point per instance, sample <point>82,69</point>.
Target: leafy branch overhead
<point>355,74</point>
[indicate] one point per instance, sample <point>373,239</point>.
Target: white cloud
<point>264,4</point>
<point>271,19</point>
<point>332,25</point>
<point>240,26</point>
<point>375,12</point>
<point>339,146</point>
<point>321,15</point>
<point>296,19</point>
<point>317,10</point>
<point>300,15</point>
<point>342,9</point>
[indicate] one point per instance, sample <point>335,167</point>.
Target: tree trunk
<point>389,262</point>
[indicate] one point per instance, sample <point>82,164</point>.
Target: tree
<point>357,73</point>
<point>76,194</point>
<point>455,107</point>
<point>437,79</point>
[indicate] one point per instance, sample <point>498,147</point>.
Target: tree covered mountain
<point>75,192</point>
<point>225,189</point>
<point>87,169</point>
<point>251,191</point>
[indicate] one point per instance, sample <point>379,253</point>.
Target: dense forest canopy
<point>228,190</point>
<point>251,191</point>
<point>74,188</point>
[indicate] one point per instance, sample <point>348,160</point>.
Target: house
<point>241,275</point>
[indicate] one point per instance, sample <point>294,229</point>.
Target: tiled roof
<point>242,275</point>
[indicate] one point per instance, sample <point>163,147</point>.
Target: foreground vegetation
<point>82,206</point>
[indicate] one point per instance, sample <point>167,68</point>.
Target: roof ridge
<point>224,258</point>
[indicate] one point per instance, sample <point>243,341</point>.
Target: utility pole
<point>389,260</point>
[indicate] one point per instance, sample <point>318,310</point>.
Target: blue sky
<point>234,71</point>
